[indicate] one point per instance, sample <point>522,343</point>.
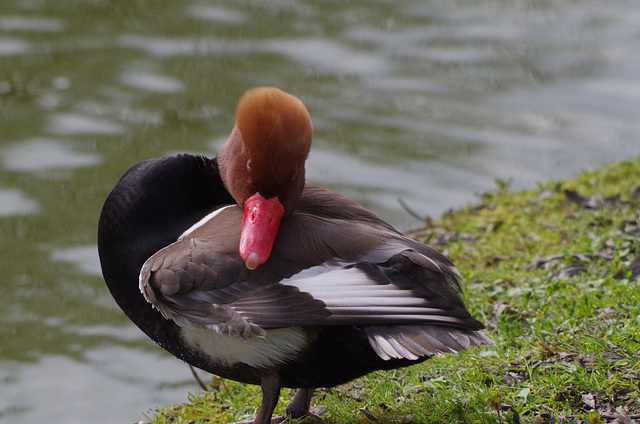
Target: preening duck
<point>239,267</point>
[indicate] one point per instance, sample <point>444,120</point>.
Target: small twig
<point>411,212</point>
<point>612,417</point>
<point>369,415</point>
<point>496,402</point>
<point>197,377</point>
<point>226,389</point>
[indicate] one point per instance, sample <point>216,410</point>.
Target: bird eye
<point>249,165</point>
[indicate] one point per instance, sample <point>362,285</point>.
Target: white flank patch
<point>339,287</point>
<point>277,347</point>
<point>328,276</point>
<point>203,221</point>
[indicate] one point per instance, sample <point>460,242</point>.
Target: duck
<point>238,266</point>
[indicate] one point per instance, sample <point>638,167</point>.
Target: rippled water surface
<point>425,101</point>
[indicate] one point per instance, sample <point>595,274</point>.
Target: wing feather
<point>410,342</point>
<point>357,272</point>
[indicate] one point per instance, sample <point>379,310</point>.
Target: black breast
<point>150,207</point>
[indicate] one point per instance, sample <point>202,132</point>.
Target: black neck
<point>152,204</point>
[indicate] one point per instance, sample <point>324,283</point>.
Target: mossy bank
<point>553,273</point>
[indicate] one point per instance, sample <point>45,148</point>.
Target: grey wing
<point>192,283</point>
<point>201,280</point>
<point>382,283</point>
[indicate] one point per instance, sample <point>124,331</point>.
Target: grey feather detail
<point>412,342</point>
<point>382,347</point>
<point>177,288</point>
<point>238,326</point>
<point>479,338</point>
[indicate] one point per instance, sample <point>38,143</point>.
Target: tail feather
<point>412,342</point>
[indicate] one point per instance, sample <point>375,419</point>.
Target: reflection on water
<point>9,47</point>
<point>428,103</point>
<point>152,83</point>
<point>39,154</point>
<point>91,388</point>
<point>85,258</point>
<point>14,202</point>
<point>77,124</point>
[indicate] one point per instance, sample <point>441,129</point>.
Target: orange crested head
<point>262,165</point>
<point>276,131</point>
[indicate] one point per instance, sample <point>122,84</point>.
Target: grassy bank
<point>550,272</point>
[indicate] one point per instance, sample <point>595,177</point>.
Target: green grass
<point>550,278</point>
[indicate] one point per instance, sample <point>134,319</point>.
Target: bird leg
<point>299,405</point>
<point>297,408</point>
<point>270,386</point>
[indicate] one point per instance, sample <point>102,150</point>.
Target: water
<point>428,102</point>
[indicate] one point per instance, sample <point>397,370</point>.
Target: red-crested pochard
<point>239,267</point>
